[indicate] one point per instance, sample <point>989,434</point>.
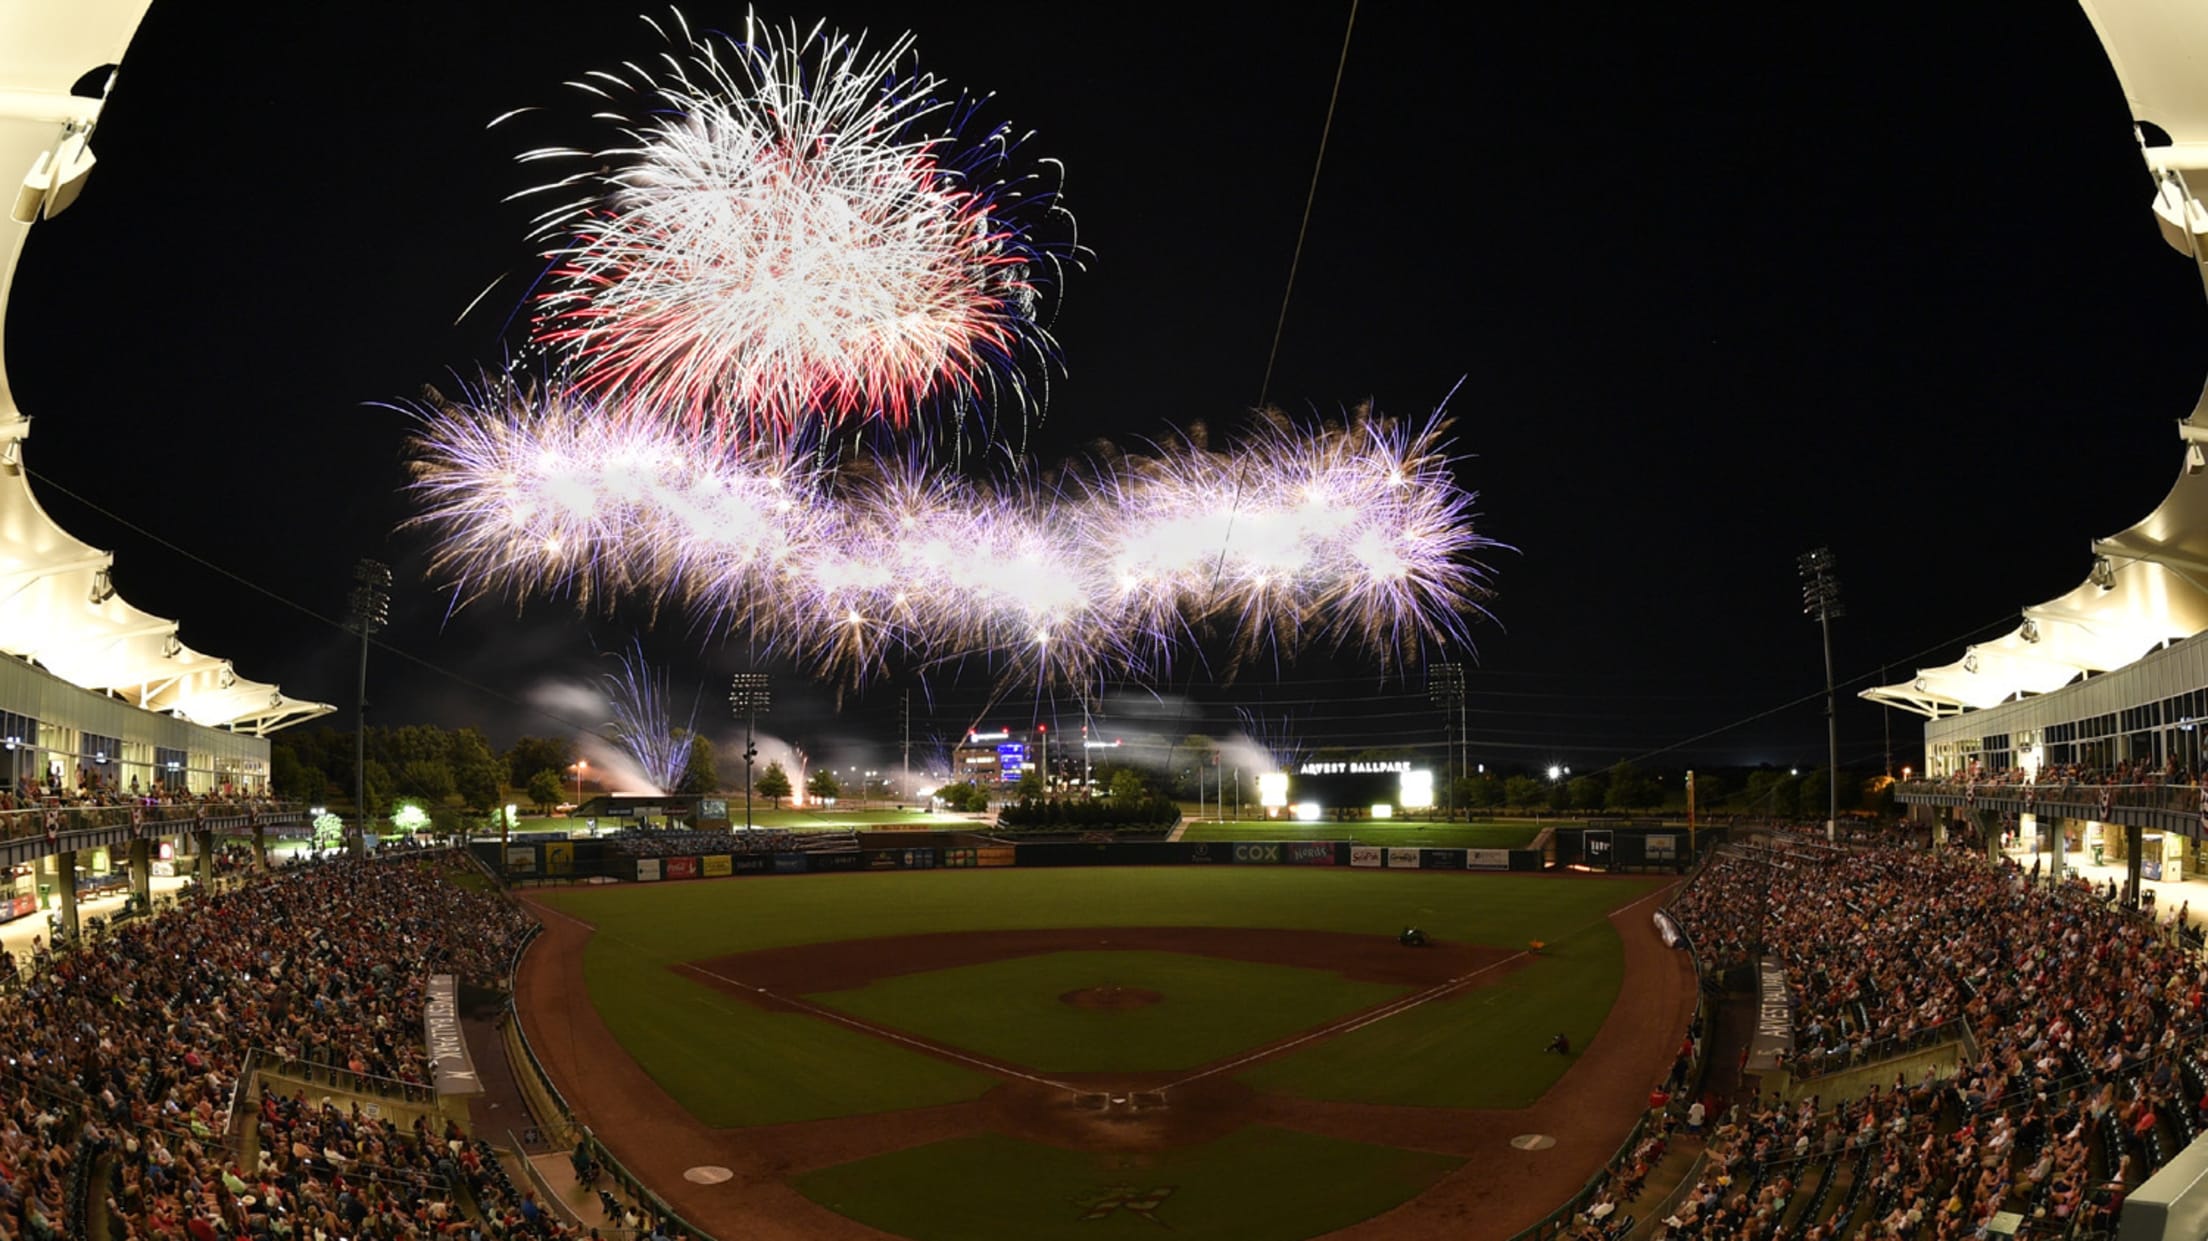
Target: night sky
<point>1719,289</point>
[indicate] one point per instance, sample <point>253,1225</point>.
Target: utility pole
<point>371,611</point>
<point>1445,689</point>
<point>1821,599</point>
<point>747,696</point>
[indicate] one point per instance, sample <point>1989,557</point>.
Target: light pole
<point>579,765</point>
<point>371,611</point>
<point>1821,599</point>
<point>747,695</point>
<point>1445,689</point>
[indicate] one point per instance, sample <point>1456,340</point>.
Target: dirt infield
<point>1498,1191</point>
<point>1111,999</point>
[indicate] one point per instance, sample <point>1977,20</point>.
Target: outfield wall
<point>582,859</point>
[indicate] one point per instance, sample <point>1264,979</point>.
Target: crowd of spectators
<point>2090,1052</point>
<point>2068,775</point>
<point>132,1044</point>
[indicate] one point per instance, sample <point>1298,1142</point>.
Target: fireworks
<point>643,721</point>
<point>794,229</point>
<point>1350,535</point>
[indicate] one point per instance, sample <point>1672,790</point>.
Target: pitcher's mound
<point>1110,997</point>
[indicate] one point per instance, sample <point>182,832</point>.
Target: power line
<point>1310,196</point>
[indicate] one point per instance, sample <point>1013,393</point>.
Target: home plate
<point>1524,1142</point>
<point>711,1174</point>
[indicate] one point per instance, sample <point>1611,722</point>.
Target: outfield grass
<point>1256,1184</point>
<point>1010,1010</point>
<point>1500,1029</point>
<point>1429,835</point>
<point>731,1063</point>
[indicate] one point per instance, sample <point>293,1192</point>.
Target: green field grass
<point>1256,1184</point>
<point>1500,1029</point>
<point>1428,835</point>
<point>1010,1010</point>
<point>731,1063</point>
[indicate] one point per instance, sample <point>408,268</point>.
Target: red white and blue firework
<point>793,229</point>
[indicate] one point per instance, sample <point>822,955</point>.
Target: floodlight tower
<point>371,611</point>
<point>747,696</point>
<point>1821,599</point>
<point>1445,689</point>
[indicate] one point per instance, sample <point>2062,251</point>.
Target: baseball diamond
<point>1050,1053</point>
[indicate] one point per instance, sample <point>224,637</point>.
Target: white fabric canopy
<point>58,607</point>
<point>2149,584</point>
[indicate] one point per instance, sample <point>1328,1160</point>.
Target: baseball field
<point>1241,1052</point>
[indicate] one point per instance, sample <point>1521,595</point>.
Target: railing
<point>637,1190</point>
<point>2138,795</point>
<point>337,1077</point>
<point>1808,1065</point>
<point>60,818</point>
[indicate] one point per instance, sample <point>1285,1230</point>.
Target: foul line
<point>878,1031</point>
<point>1346,1025</point>
<point>1358,1021</point>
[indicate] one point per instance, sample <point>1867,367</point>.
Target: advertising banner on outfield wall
<point>450,1066</point>
<point>1487,859</point>
<point>521,860</point>
<point>680,868</point>
<point>1256,852</point>
<point>1366,855</point>
<point>1311,853</point>
<point>789,863</point>
<point>823,862</point>
<point>1441,859</point>
<point>716,865</point>
<point>1200,851</point>
<point>752,863</point>
<point>559,857</point>
<point>1403,859</point>
<point>1773,1035</point>
<point>900,859</point>
<point>994,855</point>
<point>647,870</point>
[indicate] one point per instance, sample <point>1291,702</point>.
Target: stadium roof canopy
<point>2148,585</point>
<point>58,606</point>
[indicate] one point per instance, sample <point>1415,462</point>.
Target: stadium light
<point>371,611</point>
<point>1821,600</point>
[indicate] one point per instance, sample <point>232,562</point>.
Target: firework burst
<point>1346,535</point>
<point>643,720</point>
<point>795,229</point>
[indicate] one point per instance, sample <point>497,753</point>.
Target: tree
<point>698,775</point>
<point>1710,792</point>
<point>292,778</point>
<point>774,784</point>
<point>1127,787</point>
<point>823,784</point>
<point>476,771</point>
<point>531,755</point>
<point>376,779</point>
<point>545,789</point>
<point>1030,786</point>
<point>426,779</point>
<point>1524,792</point>
<point>1588,791</point>
<point>1631,789</point>
<point>965,798</point>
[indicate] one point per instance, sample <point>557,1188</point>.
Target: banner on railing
<point>1667,928</point>
<point>450,1066</point>
<point>1773,1036</point>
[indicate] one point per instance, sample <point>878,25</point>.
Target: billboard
<point>715,866</point>
<point>1311,853</point>
<point>1487,859</point>
<point>522,859</point>
<point>1403,859</point>
<point>1245,851</point>
<point>680,868</point>
<point>1366,855</point>
<point>647,870</point>
<point>559,857</point>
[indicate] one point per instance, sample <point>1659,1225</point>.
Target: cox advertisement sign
<point>1258,853</point>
